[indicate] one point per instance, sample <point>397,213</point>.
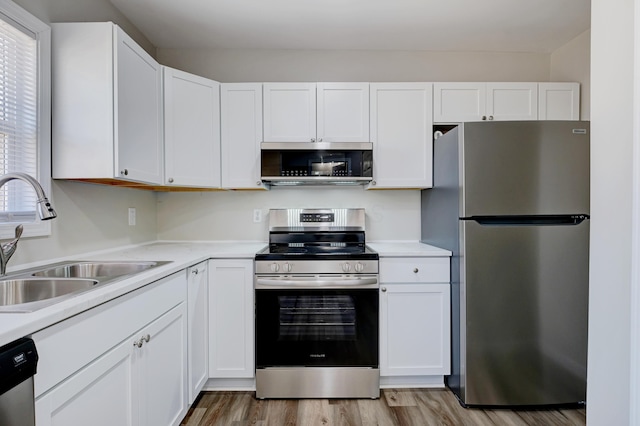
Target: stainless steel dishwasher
<point>18,362</point>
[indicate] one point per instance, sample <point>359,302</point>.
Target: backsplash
<point>390,215</point>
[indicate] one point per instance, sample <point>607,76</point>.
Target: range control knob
<point>286,267</point>
<point>359,267</point>
<point>346,267</point>
<point>274,267</point>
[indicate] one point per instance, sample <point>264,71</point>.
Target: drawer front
<point>414,270</point>
<point>69,345</point>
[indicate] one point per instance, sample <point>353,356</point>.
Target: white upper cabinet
<point>107,104</point>
<point>401,133</point>
<point>559,101</point>
<point>289,112</point>
<point>459,102</point>
<point>322,112</point>
<point>343,112</point>
<point>191,130</point>
<point>241,134</point>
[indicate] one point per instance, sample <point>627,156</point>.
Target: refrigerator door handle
<point>537,220</point>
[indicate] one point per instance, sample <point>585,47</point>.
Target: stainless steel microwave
<point>319,163</point>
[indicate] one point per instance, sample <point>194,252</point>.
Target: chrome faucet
<point>43,206</point>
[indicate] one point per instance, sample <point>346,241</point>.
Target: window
<point>25,123</point>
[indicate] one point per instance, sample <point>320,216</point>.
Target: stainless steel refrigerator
<point>511,201</point>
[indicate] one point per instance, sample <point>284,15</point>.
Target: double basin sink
<point>37,288</point>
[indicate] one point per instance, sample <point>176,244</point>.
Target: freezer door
<point>528,167</point>
<point>523,310</point>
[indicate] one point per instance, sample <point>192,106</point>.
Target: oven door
<point>316,321</point>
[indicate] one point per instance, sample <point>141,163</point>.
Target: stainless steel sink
<point>36,288</point>
<point>27,290</point>
<point>95,269</point>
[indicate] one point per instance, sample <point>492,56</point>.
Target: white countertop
<point>406,249</point>
<point>181,255</point>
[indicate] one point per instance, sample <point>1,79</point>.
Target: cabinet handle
<point>138,343</point>
<point>146,338</point>
<point>383,289</point>
<point>415,270</point>
<point>170,180</point>
<point>124,172</point>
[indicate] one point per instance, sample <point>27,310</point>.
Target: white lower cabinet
<point>161,369</point>
<point>86,377</point>
<point>198,328</point>
<point>231,316</point>
<point>101,394</point>
<point>414,321</point>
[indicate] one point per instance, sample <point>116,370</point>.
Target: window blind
<point>18,119</point>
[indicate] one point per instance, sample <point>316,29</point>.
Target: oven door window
<point>317,328</point>
<point>306,317</point>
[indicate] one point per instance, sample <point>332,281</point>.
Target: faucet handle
<point>10,247</point>
<point>19,230</point>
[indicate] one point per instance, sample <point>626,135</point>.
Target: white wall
<point>90,217</point>
<point>238,65</point>
<point>612,135</point>
<point>390,215</point>
<point>84,10</point>
<point>571,63</point>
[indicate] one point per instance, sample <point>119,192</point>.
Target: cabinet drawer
<point>69,345</point>
<point>414,270</point>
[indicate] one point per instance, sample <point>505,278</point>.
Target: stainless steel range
<point>316,312</point>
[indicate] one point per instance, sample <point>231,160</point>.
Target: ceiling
<point>435,25</point>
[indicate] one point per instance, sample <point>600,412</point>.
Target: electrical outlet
<point>132,216</point>
<point>257,216</point>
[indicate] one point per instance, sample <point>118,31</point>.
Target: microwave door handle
<point>331,283</point>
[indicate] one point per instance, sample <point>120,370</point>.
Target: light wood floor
<point>404,407</point>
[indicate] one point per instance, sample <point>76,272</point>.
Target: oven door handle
<point>327,283</point>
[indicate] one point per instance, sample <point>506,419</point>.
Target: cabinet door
<point>231,313</point>
<point>289,112</point>
<point>401,132</point>
<point>139,112</point>
<point>198,328</point>
<point>558,101</point>
<point>191,129</point>
<point>459,102</point>
<point>161,367</point>
<point>100,394</point>
<point>512,101</point>
<point>343,112</point>
<point>414,329</point>
<point>241,134</point>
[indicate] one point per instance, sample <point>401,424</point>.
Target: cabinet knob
<point>415,270</point>
<point>170,180</point>
<point>138,343</point>
<point>383,289</point>
<point>258,183</point>
<point>484,117</point>
<point>320,140</point>
<point>490,117</point>
<point>313,139</point>
<point>373,182</point>
<point>146,338</point>
<point>195,272</point>
<point>124,172</point>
